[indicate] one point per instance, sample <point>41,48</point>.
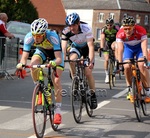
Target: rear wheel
<point>76,100</point>
<point>51,116</point>
<point>51,109</point>
<point>38,112</point>
<point>88,100</point>
<point>137,100</point>
<point>143,103</point>
<point>88,104</point>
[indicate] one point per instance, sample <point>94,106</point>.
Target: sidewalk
<point>10,73</point>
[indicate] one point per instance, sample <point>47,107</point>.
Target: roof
<point>135,5</point>
<point>52,10</point>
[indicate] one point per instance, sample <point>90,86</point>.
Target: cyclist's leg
<point>145,76</point>
<point>37,58</point>
<point>114,48</point>
<point>58,94</point>
<point>106,57</point>
<point>74,54</point>
<point>90,78</point>
<point>128,54</point>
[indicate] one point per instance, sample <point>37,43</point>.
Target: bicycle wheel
<point>136,99</point>
<point>76,98</point>
<point>88,103</point>
<point>143,103</point>
<point>52,112</point>
<point>38,112</point>
<point>111,75</point>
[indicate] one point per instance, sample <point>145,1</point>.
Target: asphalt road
<point>114,117</point>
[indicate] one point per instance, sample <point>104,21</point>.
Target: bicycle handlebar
<point>132,61</point>
<point>20,74</point>
<point>78,60</point>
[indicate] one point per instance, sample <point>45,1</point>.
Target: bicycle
<point>111,66</point>
<point>138,90</point>
<point>80,94</point>
<point>43,101</point>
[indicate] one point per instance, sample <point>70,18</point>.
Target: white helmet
<point>39,26</point>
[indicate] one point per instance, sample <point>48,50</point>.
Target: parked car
<point>20,29</point>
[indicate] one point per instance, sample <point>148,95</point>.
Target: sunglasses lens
<point>109,24</point>
<point>38,35</point>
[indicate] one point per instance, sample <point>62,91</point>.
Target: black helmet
<point>128,21</point>
<point>109,21</point>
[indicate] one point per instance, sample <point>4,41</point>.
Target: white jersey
<point>80,39</point>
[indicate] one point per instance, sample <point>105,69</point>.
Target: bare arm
<point>10,35</point>
<point>64,46</point>
<point>91,50</point>
<point>58,57</point>
<point>24,57</point>
<point>144,46</point>
<point>120,51</point>
<point>102,42</point>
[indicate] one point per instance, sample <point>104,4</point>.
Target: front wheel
<point>111,74</point>
<point>38,112</point>
<point>136,99</point>
<point>76,100</point>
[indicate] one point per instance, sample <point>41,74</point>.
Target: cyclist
<point>79,34</point>
<point>132,41</point>
<point>108,36</point>
<point>47,44</point>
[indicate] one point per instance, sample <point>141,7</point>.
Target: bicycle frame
<point>137,87</point>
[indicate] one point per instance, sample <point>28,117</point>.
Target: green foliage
<point>148,35</point>
<point>19,10</point>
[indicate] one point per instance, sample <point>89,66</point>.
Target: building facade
<point>100,10</point>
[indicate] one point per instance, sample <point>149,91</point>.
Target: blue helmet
<point>72,18</point>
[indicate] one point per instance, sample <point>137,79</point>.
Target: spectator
<point>3,33</point>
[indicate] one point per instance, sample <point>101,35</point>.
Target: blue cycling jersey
<point>51,41</point>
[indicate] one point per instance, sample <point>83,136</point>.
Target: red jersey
<point>3,29</point>
<point>139,34</point>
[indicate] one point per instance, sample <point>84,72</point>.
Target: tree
<point>19,10</point>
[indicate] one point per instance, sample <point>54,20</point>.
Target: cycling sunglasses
<point>128,28</point>
<point>38,35</point>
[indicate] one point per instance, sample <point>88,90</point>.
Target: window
<point>101,17</point>
<point>138,19</point>
<point>146,20</point>
<point>98,34</point>
<point>111,15</point>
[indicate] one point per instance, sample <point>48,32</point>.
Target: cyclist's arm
<point>64,46</point>
<point>120,50</point>
<point>58,57</point>
<point>102,42</point>
<point>144,47</point>
<point>91,49</point>
<point>24,57</point>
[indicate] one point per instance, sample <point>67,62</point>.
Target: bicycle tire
<point>136,99</point>
<point>110,72</point>
<point>143,103</point>
<point>39,115</point>
<point>52,113</point>
<point>88,99</point>
<point>88,104</point>
<point>76,100</point>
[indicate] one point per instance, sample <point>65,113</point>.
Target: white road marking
<point>100,105</point>
<point>22,123</point>
<point>120,93</point>
<point>4,107</point>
